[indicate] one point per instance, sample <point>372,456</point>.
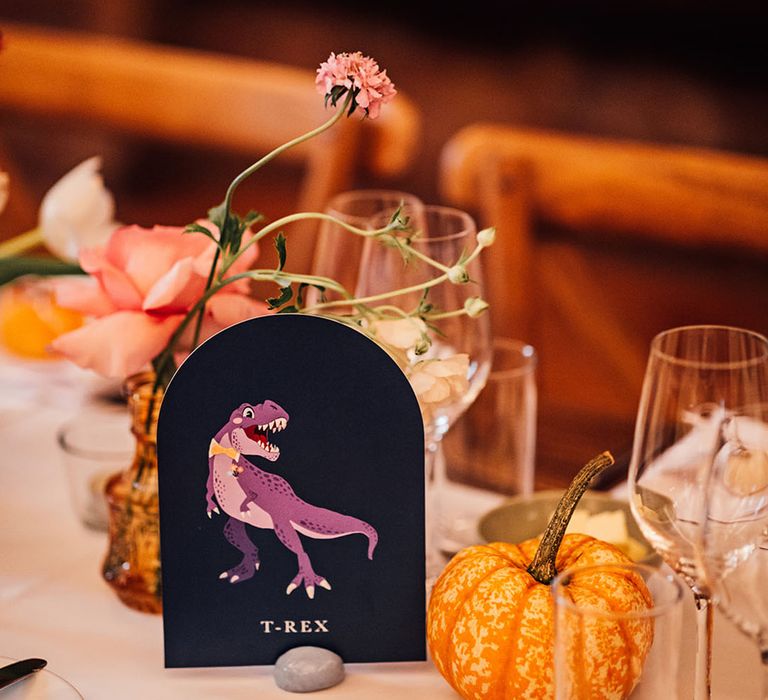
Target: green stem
<point>445,314</point>
<point>384,295</point>
<point>542,568</point>
<point>422,256</point>
<point>394,310</point>
<point>302,216</point>
<point>161,362</point>
<point>208,283</point>
<point>21,243</point>
<point>236,183</point>
<point>277,151</point>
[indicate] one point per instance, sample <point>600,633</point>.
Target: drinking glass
<point>338,252</point>
<point>491,448</point>
<point>698,379</point>
<point>94,446</point>
<point>445,233</point>
<point>609,642</point>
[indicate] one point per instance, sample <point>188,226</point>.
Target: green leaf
<point>281,251</point>
<point>285,295</point>
<point>216,215</point>
<point>251,218</point>
<point>197,228</point>
<point>17,266</point>
<point>336,93</point>
<point>302,288</point>
<point>288,310</point>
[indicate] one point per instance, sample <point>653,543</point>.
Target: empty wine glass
<point>698,379</point>
<point>742,596</point>
<point>338,252</point>
<point>444,235</point>
<point>736,529</point>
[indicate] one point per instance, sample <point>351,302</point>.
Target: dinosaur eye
<point>248,412</point>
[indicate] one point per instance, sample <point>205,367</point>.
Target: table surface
<point>54,603</point>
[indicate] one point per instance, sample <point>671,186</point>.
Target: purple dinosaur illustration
<point>265,500</point>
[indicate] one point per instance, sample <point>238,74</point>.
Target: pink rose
<point>140,287</point>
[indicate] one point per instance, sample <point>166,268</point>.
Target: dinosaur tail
<point>321,523</point>
<point>373,538</point>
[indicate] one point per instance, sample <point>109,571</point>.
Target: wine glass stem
<point>433,476</point>
<point>704,619</point>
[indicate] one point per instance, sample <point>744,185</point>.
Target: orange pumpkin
<point>490,618</point>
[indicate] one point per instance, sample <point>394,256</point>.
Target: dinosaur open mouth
<point>260,433</point>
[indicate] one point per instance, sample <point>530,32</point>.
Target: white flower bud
<point>475,306</point>
<point>458,274</point>
<point>422,345</point>
<point>486,237</point>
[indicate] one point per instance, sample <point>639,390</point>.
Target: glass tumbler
<point>617,632</point>
<point>94,445</point>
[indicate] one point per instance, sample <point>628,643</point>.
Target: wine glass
<point>338,252</point>
<point>735,535</point>
<point>742,596</point>
<point>698,378</point>
<point>444,235</point>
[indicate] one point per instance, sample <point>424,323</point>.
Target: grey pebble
<point>304,669</point>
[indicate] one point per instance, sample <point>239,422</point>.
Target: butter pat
<point>608,526</point>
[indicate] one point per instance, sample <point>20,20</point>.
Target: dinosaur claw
<point>234,579</point>
<point>257,565</point>
<point>323,583</point>
<point>291,588</point>
<point>216,510</point>
<point>310,592</point>
<point>209,515</point>
<point>223,574</point>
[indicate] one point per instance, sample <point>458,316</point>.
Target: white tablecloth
<point>54,604</point>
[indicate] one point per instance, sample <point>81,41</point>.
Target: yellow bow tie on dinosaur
<point>216,449</point>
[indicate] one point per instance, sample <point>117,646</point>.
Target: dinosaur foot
<point>309,581</point>
<point>241,572</point>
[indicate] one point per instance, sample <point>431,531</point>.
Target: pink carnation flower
<point>370,86</point>
<point>140,287</point>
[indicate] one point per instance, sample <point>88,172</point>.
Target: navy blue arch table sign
<point>291,452</point>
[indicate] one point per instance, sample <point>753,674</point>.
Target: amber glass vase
<point>132,564</point>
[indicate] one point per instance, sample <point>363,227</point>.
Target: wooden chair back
<point>192,97</point>
<point>601,244</point>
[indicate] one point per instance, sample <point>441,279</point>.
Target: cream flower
<point>400,333</point>
<point>440,381</point>
<point>77,212</point>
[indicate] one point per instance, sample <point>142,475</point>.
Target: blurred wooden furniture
<point>601,244</point>
<point>174,95</point>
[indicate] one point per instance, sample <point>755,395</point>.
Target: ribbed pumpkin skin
<point>490,623</point>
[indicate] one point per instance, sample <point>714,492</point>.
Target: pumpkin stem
<point>542,567</point>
